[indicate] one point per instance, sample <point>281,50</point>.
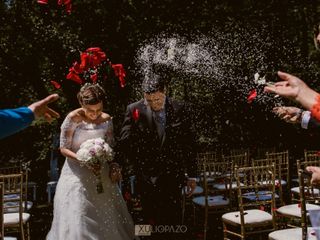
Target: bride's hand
<point>115,172</point>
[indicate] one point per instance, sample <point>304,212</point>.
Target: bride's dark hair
<point>91,94</point>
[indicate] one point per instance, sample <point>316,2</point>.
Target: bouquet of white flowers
<point>93,153</point>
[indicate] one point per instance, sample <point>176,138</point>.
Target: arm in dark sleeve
<point>14,120</point>
<point>313,123</point>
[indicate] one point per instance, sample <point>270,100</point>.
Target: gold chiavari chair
<point>24,171</point>
<point>256,195</point>
<point>295,191</point>
<point>278,178</point>
<point>292,212</point>
<point>214,200</point>
<point>2,237</point>
<point>240,160</point>
<point>281,159</point>
<point>13,192</point>
<point>303,232</point>
<point>240,151</point>
<point>209,156</point>
<point>311,155</point>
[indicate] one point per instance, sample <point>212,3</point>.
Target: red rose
<point>135,114</point>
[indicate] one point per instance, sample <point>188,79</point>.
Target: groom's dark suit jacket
<point>173,155</point>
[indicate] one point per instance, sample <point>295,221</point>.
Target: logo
<point>142,230</point>
<point>147,230</point>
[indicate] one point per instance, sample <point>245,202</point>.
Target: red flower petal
<point>77,68</point>
<point>135,114</point>
<point>318,153</point>
<point>84,65</point>
<point>120,73</point>
<point>74,77</point>
<point>93,49</point>
<point>55,84</point>
<point>94,77</point>
<point>42,1</point>
<point>252,95</point>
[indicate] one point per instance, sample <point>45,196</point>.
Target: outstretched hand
<point>288,114</point>
<point>40,108</point>
<point>290,87</point>
<point>315,179</point>
<point>293,88</point>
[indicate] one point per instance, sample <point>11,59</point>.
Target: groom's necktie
<point>160,120</point>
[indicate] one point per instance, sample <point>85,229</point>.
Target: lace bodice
<point>75,133</point>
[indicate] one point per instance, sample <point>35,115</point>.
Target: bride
<point>80,213</point>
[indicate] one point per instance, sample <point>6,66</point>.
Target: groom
<point>158,140</point>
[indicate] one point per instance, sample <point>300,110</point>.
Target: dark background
<point>38,43</point>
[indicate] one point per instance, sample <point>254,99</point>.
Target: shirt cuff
<point>305,119</point>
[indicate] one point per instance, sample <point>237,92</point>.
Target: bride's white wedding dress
<point>80,213</point>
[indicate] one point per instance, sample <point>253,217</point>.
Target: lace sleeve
<point>109,134</point>
<point>67,129</point>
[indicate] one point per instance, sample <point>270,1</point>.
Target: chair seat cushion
<point>213,201</point>
<point>8,197</point>
<point>294,210</point>
<point>296,190</point>
<point>222,186</point>
<point>277,181</point>
<point>261,195</point>
<point>13,207</point>
<point>13,218</point>
<point>197,190</point>
<point>291,234</point>
<point>253,217</point>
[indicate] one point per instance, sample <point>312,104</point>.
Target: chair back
<point>208,157</point>
<point>312,157</point>
<point>240,151</point>
<point>277,162</point>
<point>19,170</point>
<point>281,160</point>
<point>240,160</point>
<point>217,172</point>
<point>13,193</point>
<point>258,181</point>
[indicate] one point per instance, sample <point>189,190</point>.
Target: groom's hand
<point>191,186</point>
<point>115,172</point>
